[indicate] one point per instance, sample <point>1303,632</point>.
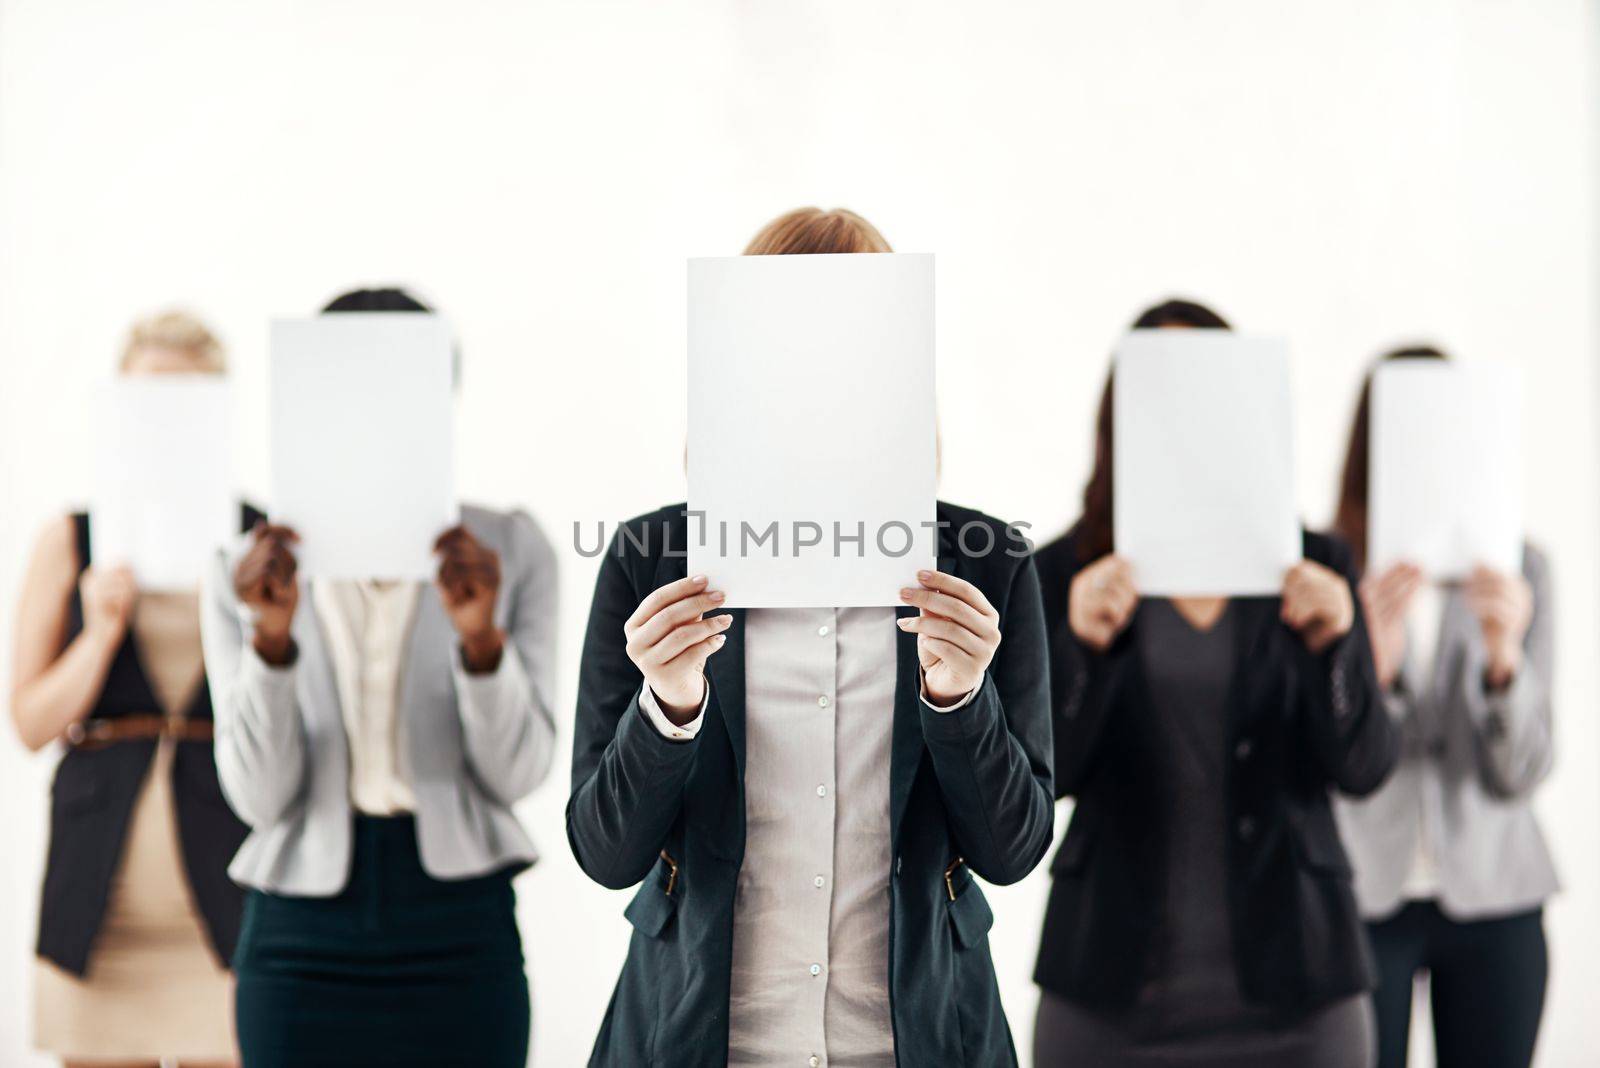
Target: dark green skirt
<point>399,969</point>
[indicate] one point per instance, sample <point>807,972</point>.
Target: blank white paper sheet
<point>363,442</point>
<point>163,497</point>
<point>812,456</point>
<point>1203,468</point>
<point>1444,481</point>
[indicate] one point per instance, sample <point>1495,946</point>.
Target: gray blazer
<point>1469,760</point>
<point>475,743</point>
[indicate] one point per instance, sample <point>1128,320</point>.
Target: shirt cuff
<point>269,680</point>
<point>664,726</point>
<point>922,688</point>
<point>482,694</point>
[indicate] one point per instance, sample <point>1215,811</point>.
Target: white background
<point>1349,175</point>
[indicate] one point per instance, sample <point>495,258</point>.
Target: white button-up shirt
<point>810,977</point>
<point>367,625</point>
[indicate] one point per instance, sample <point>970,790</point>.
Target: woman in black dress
<point>1201,910</point>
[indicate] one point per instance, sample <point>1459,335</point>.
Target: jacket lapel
<point>908,747</point>
<point>1254,626</point>
<point>431,639</point>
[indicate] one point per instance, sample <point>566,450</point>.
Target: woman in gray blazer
<point>374,736</point>
<point>1451,869</point>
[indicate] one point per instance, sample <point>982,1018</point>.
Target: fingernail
<point>724,621</point>
<point>719,639</point>
<point>902,623</point>
<point>905,595</point>
<point>699,580</point>
<point>924,575</point>
<point>717,596</point>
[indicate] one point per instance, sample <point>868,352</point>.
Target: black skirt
<point>399,969</point>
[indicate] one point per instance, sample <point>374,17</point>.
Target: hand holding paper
<point>264,580</point>
<point>108,595</point>
<point>1386,599</point>
<point>1101,602</point>
<point>1503,605</point>
<point>469,581</point>
<point>957,631</point>
<point>670,640</point>
<point>1317,604</point>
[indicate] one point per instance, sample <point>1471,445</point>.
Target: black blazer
<point>972,784</point>
<point>92,799</point>
<point>1300,725</point>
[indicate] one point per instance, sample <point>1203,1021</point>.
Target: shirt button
<point>1247,828</point>
<point>822,701</point>
<point>822,632</point>
<point>814,1061</point>
<point>815,969</point>
<point>822,791</point>
<point>818,882</point>
<point>1242,750</point>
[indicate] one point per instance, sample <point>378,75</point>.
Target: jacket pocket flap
<point>971,916</point>
<point>651,909</point>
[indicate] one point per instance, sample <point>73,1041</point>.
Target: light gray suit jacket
<point>475,743</point>
<point>1470,759</point>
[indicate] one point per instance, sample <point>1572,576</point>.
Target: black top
<point>1194,986</point>
<point>1297,724</point>
<point>974,783</point>
<point>93,796</point>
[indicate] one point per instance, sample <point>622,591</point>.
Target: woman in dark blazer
<point>137,916</point>
<point>1201,910</point>
<point>807,794</point>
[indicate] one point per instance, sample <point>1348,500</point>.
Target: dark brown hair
<point>1094,526</point>
<point>1350,519</point>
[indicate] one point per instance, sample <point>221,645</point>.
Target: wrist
<point>274,647</point>
<point>104,634</point>
<point>1501,670</point>
<point>481,650</point>
<point>935,696</point>
<point>680,711</point>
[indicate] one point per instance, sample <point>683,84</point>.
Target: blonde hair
<point>175,330</point>
<point>812,230</point>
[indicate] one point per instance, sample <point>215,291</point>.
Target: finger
<point>468,572</point>
<point>1121,583</point>
<point>265,531</point>
<point>1114,569</point>
<point>947,653</point>
<point>946,630</point>
<point>942,604</point>
<point>697,654</point>
<point>675,615</point>
<point>681,638</point>
<point>660,598</point>
<point>1318,636</point>
<point>960,589</point>
<point>454,536</point>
